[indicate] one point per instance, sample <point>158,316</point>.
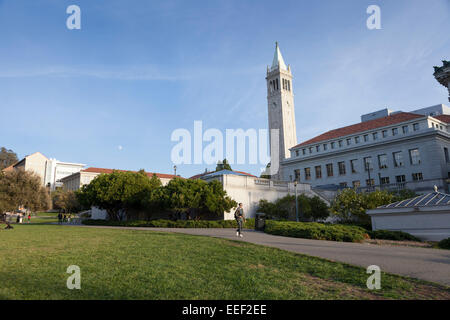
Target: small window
<point>325,147</point>
<point>297,174</point>
<point>304,151</point>
<point>382,161</point>
<point>414,156</point>
<point>375,136</point>
<point>356,139</point>
<point>349,141</point>
<point>384,180</point>
<point>297,153</point>
<point>384,133</point>
<point>400,178</point>
<point>353,165</point>
<point>330,170</point>
<point>447,159</point>
<point>398,159</point>
<point>366,137</point>
<point>307,173</point>
<point>367,163</point>
<point>356,184</point>
<point>341,167</point>
<point>340,143</point>
<point>310,149</point>
<point>415,126</point>
<point>317,148</point>
<point>370,182</point>
<point>318,170</point>
<point>417,176</point>
<point>333,145</point>
<point>405,129</point>
<point>395,131</point>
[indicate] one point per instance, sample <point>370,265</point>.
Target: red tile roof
<point>150,174</point>
<point>443,117</point>
<point>362,126</point>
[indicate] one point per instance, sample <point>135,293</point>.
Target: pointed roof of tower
<point>278,59</point>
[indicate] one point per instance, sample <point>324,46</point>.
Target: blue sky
<point>137,70</point>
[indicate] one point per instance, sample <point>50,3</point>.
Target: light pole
<point>296,203</point>
<point>175,169</point>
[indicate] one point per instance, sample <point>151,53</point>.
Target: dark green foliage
<point>223,165</point>
<point>317,231</point>
<point>444,244</point>
<point>7,158</point>
<point>392,235</point>
<point>249,223</point>
<point>284,208</point>
<point>351,206</point>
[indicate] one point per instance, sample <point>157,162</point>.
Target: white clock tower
<point>280,99</point>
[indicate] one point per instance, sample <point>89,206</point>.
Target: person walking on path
<point>59,218</point>
<point>240,219</point>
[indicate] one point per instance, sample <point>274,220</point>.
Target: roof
<point>443,117</point>
<point>362,126</point>
<point>278,59</point>
<point>150,174</point>
<point>432,199</point>
<point>221,172</point>
<point>10,168</point>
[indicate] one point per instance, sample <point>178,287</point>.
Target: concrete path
<point>422,263</point>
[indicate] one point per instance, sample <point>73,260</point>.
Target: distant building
<point>76,180</point>
<point>442,75</point>
<point>49,170</point>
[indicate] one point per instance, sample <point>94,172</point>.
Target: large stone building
<point>386,149</point>
<point>51,171</point>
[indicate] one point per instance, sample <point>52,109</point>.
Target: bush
<point>249,223</point>
<point>444,244</point>
<point>284,208</point>
<point>392,235</point>
<point>315,230</point>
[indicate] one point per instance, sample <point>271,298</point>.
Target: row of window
<point>418,176</point>
<point>356,140</point>
<point>414,159</point>
<point>273,84</point>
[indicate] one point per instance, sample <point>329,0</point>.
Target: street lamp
<point>296,202</point>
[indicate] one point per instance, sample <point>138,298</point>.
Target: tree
<point>223,165</point>
<point>65,200</point>
<point>7,157</point>
<point>119,193</point>
<point>22,188</point>
<point>319,209</point>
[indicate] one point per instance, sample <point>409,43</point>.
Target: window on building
<point>356,184</point>
<point>297,174</point>
<point>370,182</point>
<point>400,178</point>
<point>375,136</point>
<point>318,170</point>
<point>289,85</point>
<point>330,170</point>
<point>356,139</point>
<point>317,148</point>
<point>447,158</point>
<point>310,149</point>
<point>384,180</point>
<point>325,147</point>
<point>394,131</point>
<point>343,184</point>
<point>304,151</point>
<point>414,156</point>
<point>340,143</point>
<point>353,164</point>
<point>384,133</point>
<point>382,161</point>
<point>307,173</point>
<point>415,126</point>
<point>368,163</point>
<point>349,141</point>
<point>405,129</point>
<point>341,167</point>
<point>277,83</point>
<point>398,159</point>
<point>366,137</point>
<point>333,144</point>
<point>297,153</point>
<point>417,176</point>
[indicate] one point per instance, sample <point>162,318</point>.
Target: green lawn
<point>137,264</point>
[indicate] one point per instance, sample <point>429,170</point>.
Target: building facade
<point>51,171</point>
<point>281,111</point>
<point>393,150</point>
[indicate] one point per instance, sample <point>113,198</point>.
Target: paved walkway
<point>422,263</point>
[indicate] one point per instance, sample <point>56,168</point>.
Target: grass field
<point>137,264</point>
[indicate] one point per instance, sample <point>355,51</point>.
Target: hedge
<point>444,244</point>
<point>249,223</point>
<point>392,235</point>
<point>317,231</point>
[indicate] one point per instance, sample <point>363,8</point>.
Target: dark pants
<point>240,223</point>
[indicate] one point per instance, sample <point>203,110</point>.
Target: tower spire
<point>278,59</point>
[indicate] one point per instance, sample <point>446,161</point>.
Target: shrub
<point>315,230</point>
<point>249,223</point>
<point>444,244</point>
<point>284,208</point>
<point>392,235</point>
